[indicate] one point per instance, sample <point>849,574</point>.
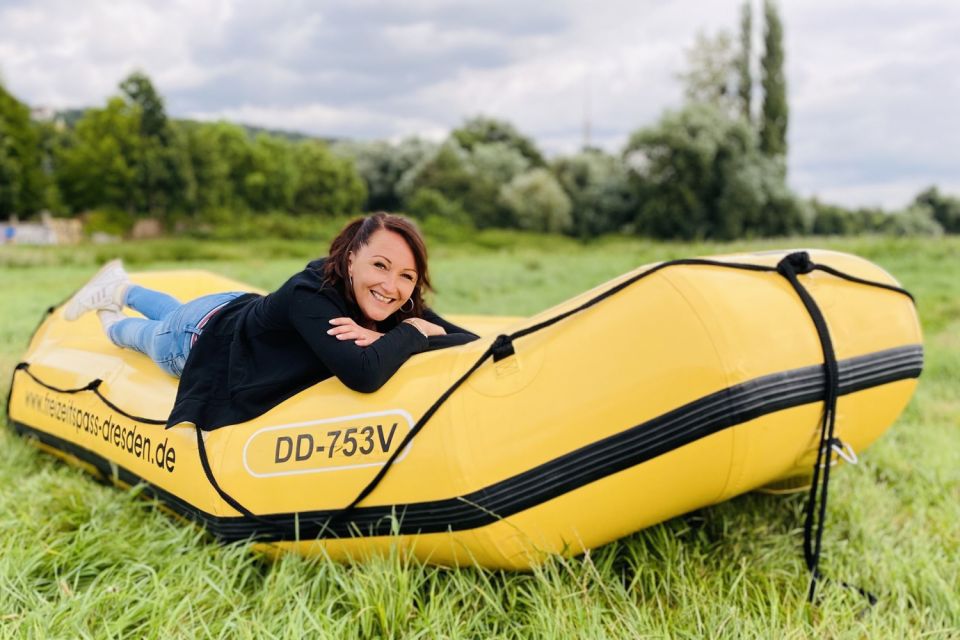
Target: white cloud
<point>872,85</point>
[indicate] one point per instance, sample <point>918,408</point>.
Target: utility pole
<point>586,109</point>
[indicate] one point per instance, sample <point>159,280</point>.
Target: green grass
<point>79,559</point>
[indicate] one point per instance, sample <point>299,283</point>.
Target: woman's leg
<point>154,338</point>
<point>155,305</point>
<point>167,342</point>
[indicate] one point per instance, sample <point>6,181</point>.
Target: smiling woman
<point>358,314</point>
<point>385,263</point>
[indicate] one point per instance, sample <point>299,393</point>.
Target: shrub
<point>916,220</point>
<point>428,203</point>
<point>109,220</point>
<point>537,202</point>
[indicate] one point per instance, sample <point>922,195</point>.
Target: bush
<point>831,220</point>
<point>945,209</point>
<point>537,202</point>
<point>428,203</point>
<point>111,221</point>
<point>598,185</point>
<point>916,220</point>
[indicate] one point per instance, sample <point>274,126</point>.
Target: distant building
<point>43,114</point>
<point>48,114</point>
<point>49,230</point>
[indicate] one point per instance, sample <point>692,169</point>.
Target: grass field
<point>79,559</point>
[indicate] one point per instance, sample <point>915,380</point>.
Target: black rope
<point>846,276</point>
<point>789,268</point>
<point>205,463</point>
<point>93,385</point>
<point>499,344</point>
<point>816,509</point>
<point>629,281</point>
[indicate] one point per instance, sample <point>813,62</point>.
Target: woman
<point>357,314</point>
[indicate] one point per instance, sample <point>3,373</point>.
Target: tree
<point>209,166</point>
<point>182,192</point>
<point>709,77</point>
<point>161,166</point>
<point>915,220</point>
<point>537,202</point>
<point>451,172</point>
<point>382,166</point>
<point>98,164</point>
<point>139,90</point>
<point>773,122</point>
<point>744,56</point>
<point>272,181</point>
<point>23,183</point>
<point>497,162</point>
<point>326,184</point>
<point>483,130</point>
<point>236,149</point>
<point>944,209</point>
<point>698,174</point>
<point>428,203</point>
<point>598,186</point>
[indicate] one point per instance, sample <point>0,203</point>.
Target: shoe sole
<point>73,309</point>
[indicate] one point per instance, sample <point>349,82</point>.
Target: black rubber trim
<point>107,470</point>
<point>633,446</point>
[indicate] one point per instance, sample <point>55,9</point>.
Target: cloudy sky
<point>873,85</point>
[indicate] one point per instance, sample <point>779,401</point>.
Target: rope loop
<point>798,262</point>
<point>502,348</point>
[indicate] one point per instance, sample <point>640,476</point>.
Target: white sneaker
<point>103,291</point>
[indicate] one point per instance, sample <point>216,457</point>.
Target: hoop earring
<point>410,300</point>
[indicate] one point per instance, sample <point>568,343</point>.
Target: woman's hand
<point>426,328</point>
<point>348,329</point>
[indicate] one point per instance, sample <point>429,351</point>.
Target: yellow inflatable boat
<point>672,387</point>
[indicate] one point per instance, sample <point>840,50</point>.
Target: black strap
<point>93,385</point>
<point>205,463</point>
<point>790,267</point>
<point>846,276</point>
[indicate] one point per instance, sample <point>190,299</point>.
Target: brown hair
<point>357,234</point>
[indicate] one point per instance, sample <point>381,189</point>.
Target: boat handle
<point>844,451</point>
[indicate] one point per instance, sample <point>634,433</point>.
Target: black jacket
<point>260,350</point>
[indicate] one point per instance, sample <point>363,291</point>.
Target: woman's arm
<point>430,316</point>
<point>455,335</point>
<point>363,369</point>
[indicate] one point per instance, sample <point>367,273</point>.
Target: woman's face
<point>383,274</point>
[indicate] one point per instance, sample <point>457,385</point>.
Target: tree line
<point>713,169</point>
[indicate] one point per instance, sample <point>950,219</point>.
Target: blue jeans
<point>167,333</point>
